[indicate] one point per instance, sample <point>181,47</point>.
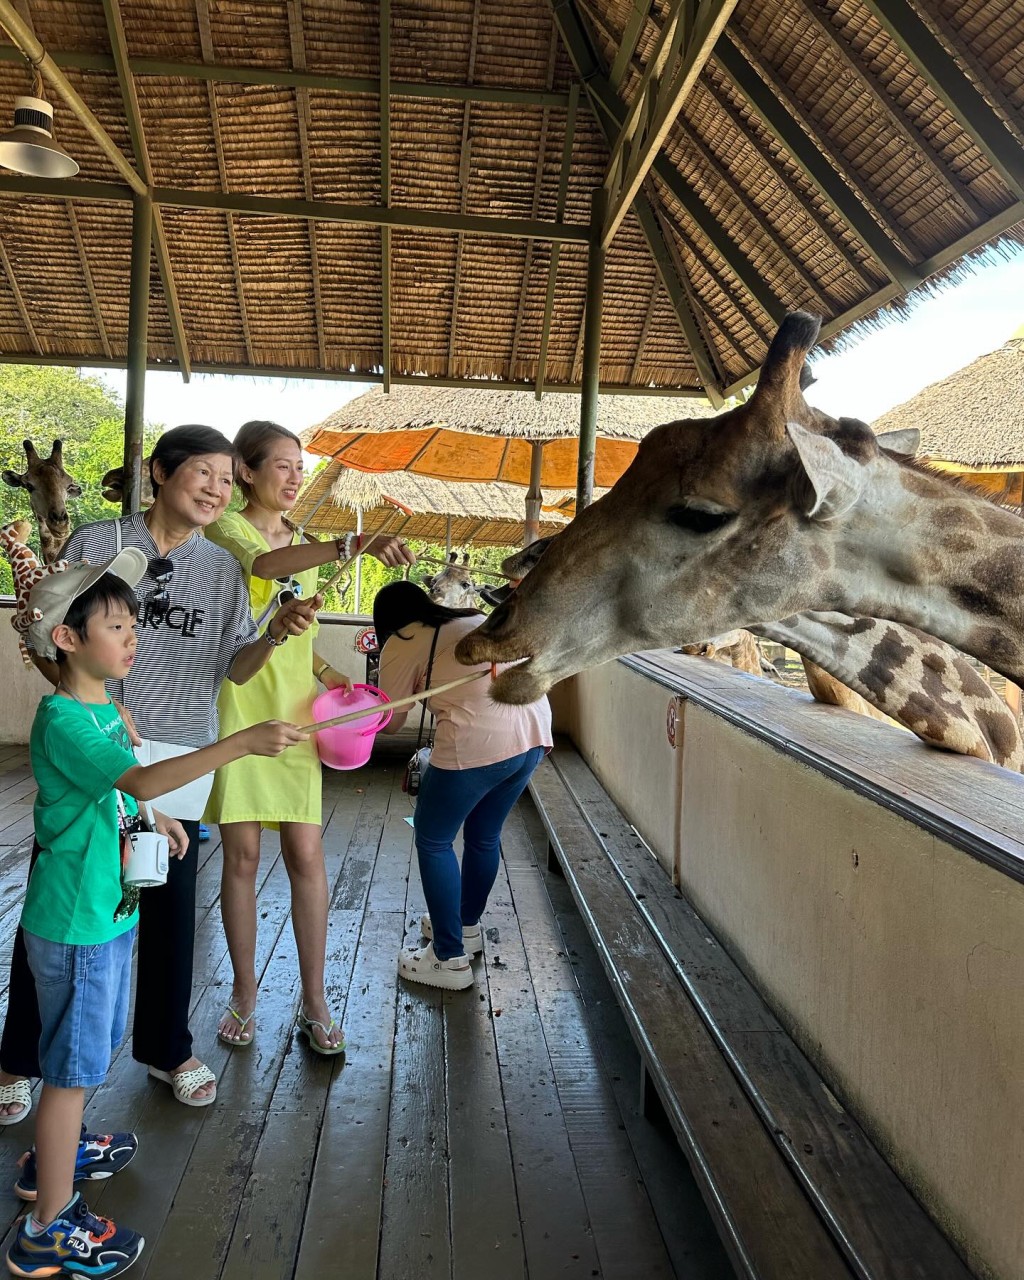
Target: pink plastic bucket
<point>348,746</point>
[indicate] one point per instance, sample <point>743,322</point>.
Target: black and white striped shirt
<point>185,653</point>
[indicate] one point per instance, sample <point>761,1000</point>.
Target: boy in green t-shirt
<point>79,917</point>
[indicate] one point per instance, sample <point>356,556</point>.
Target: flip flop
<point>19,1091</point>
<point>185,1083</point>
<point>306,1025</point>
<point>244,1038</point>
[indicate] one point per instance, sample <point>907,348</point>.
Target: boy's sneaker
<point>100,1155</point>
<point>78,1243</point>
<point>421,965</point>
<point>472,935</point>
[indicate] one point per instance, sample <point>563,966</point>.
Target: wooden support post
<point>596,255</point>
<point>138,344</point>
<point>534,497</point>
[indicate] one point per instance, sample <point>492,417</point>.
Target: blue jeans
<point>480,800</point>
<point>83,994</point>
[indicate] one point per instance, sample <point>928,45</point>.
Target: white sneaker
<point>472,935</point>
<point>423,966</point>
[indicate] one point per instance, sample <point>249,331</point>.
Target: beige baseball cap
<point>53,595</point>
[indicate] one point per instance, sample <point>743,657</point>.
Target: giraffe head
<point>453,586</point>
<point>718,523</point>
<point>112,485</point>
<point>49,486</point>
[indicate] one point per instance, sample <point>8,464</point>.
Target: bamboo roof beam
<point>403,217</point>
<point>385,189</point>
<point>607,103</point>
<point>302,79</point>
<point>90,285</point>
<point>297,40</point>
<point>563,188</point>
<point>902,123</point>
<point>713,164</point>
<point>689,310</point>
<point>19,301</point>
<point>980,74</point>
<point>953,89</point>
<point>76,233</point>
<point>675,285</point>
<point>672,70</point>
<point>644,330</point>
<point>464,171</point>
<point>133,115</point>
<point>538,185</point>
<point>635,24</point>
<point>673,279</point>
<point>206,44</point>
<point>23,36</point>
<point>769,162</point>
<point>802,140</point>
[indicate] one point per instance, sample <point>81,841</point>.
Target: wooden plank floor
<point>491,1133</point>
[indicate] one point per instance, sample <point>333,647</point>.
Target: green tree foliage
<point>43,405</point>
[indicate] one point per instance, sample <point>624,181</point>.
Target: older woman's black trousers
<point>163,977</point>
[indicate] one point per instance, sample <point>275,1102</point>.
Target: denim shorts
<point>83,994</point>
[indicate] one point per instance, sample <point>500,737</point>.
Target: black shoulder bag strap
<point>423,704</point>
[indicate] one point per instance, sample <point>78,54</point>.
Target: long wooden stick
<point>391,706</point>
<point>482,573</point>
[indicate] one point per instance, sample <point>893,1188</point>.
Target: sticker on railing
<point>366,640</point>
<point>672,721</point>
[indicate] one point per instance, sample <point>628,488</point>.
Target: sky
<point>939,334</point>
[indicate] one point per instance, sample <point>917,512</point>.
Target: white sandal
<point>19,1091</point>
<point>185,1083</point>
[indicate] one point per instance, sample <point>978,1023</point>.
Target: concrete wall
<point>894,958</point>
<point>23,687</point>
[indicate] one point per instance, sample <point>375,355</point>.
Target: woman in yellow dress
<point>275,560</point>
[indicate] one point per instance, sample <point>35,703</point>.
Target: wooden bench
<point>797,1190</point>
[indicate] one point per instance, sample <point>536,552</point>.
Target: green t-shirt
<point>75,894</point>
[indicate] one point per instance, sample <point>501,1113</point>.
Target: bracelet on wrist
<point>270,639</point>
<point>319,673</point>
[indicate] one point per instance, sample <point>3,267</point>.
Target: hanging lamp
<point>29,147</point>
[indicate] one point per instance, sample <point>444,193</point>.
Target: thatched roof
<point>481,515</point>
<point>975,417</point>
<point>826,156</point>
<point>481,436</point>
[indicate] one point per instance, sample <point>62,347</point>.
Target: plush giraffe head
<point>27,569</point>
<point>453,586</point>
<point>49,486</point>
<point>769,510</point>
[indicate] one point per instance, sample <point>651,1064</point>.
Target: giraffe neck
<point>951,564</point>
<point>911,677</point>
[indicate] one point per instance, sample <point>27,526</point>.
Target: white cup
<point>150,858</point>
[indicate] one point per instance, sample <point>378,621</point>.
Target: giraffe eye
<point>698,520</point>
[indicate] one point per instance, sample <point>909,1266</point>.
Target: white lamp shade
<point>29,147</point>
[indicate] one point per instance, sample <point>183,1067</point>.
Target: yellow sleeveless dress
<point>267,789</point>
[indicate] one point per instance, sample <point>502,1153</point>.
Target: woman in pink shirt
<point>482,759</point>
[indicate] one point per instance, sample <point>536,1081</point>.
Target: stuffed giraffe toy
<point>27,570</point>
<point>804,528</point>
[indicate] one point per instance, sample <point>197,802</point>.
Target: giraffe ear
<point>905,442</point>
<point>836,481</point>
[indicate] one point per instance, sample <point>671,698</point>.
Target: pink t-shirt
<point>471,729</point>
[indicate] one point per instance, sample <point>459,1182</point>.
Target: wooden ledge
<point>970,804</point>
